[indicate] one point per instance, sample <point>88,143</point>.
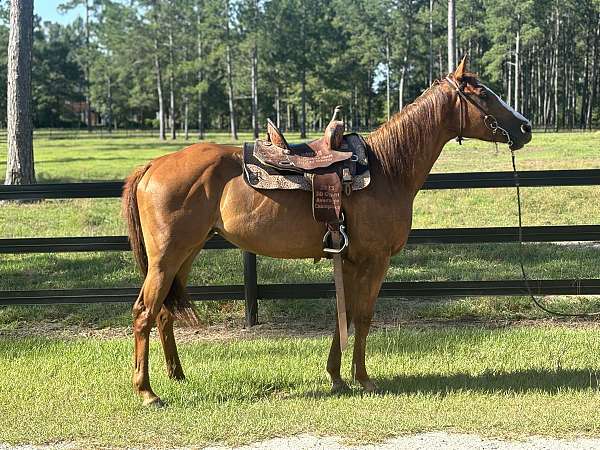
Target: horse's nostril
<point>526,128</point>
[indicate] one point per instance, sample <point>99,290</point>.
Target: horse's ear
<point>461,70</point>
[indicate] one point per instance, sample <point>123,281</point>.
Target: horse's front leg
<point>370,274</point>
<point>362,281</point>
<point>334,361</point>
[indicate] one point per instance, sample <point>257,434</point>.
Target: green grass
<point>508,382</point>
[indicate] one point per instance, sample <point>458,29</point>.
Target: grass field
<point>521,380</point>
<point>501,382</point>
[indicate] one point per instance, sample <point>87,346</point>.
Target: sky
<point>48,10</point>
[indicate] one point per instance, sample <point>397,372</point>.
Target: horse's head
<point>484,115</point>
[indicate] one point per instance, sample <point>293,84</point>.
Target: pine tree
<point>20,163</point>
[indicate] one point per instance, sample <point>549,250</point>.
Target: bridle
<point>489,120</point>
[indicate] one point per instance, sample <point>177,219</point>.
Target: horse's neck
<point>426,157</point>
<point>431,147</point>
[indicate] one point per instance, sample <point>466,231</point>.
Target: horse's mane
<point>397,142</point>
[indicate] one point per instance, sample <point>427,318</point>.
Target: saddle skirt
<point>259,174</point>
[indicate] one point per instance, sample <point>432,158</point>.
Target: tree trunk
<point>517,62</point>
<point>387,76</point>
<point>288,118</point>
<point>594,75</point>
<point>303,120</point>
<point>109,119</point>
<point>277,107</point>
<point>430,79</point>
<point>556,70</point>
<point>369,95</point>
<point>255,74</point>
<point>200,74</point>
<point>172,112</point>
<point>159,92</point>
<point>451,36</point>
<point>510,81</point>
<point>88,103</point>
<point>186,110</point>
<point>405,60</point>
<point>19,164</point>
<point>254,88</point>
<point>232,124</point>
<point>356,117</point>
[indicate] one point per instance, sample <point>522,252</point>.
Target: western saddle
<point>333,164</point>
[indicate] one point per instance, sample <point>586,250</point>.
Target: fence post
<point>250,289</point>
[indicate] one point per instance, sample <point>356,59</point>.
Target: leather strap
<point>340,296</point>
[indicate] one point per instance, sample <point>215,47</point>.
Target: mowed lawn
<point>472,376</point>
<point>501,382</point>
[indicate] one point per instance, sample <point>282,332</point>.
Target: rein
<point>492,123</point>
<point>535,301</point>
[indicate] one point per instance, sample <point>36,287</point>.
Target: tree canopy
<point>296,59</point>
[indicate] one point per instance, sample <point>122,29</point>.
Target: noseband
<point>489,120</point>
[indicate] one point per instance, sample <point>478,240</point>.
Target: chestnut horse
<point>176,202</point>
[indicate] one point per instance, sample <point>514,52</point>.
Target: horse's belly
<point>272,223</point>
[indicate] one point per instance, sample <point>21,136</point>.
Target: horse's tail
<point>177,299</point>
<point>132,214</point>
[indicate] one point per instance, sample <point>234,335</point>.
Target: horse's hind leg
<point>164,322</point>
<point>145,311</point>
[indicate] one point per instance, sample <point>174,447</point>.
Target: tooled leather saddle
<point>334,164</point>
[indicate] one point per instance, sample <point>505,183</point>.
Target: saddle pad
<point>263,176</point>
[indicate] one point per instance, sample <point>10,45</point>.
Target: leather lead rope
<point>535,301</point>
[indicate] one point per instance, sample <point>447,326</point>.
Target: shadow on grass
<point>44,178</point>
<point>550,381</point>
<point>518,382</point>
<point>86,159</point>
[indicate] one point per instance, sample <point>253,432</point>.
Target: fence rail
<point>290,291</point>
<point>251,291</point>
<point>562,233</point>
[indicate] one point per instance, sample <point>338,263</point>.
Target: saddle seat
<point>321,153</point>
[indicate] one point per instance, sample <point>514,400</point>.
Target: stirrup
<point>344,240</point>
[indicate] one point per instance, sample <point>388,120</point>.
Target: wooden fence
<point>251,291</point>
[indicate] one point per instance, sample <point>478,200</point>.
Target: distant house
<point>79,109</point>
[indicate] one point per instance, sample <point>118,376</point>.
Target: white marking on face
<point>517,114</point>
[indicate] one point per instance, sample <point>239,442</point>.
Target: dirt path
<point>236,331</point>
<point>421,441</point>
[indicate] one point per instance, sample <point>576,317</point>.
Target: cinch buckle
<point>347,181</point>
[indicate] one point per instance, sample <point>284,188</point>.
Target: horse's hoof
<point>339,387</point>
<point>177,376</point>
<point>153,402</point>
<point>369,387</point>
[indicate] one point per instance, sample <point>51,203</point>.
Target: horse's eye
<point>482,94</point>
